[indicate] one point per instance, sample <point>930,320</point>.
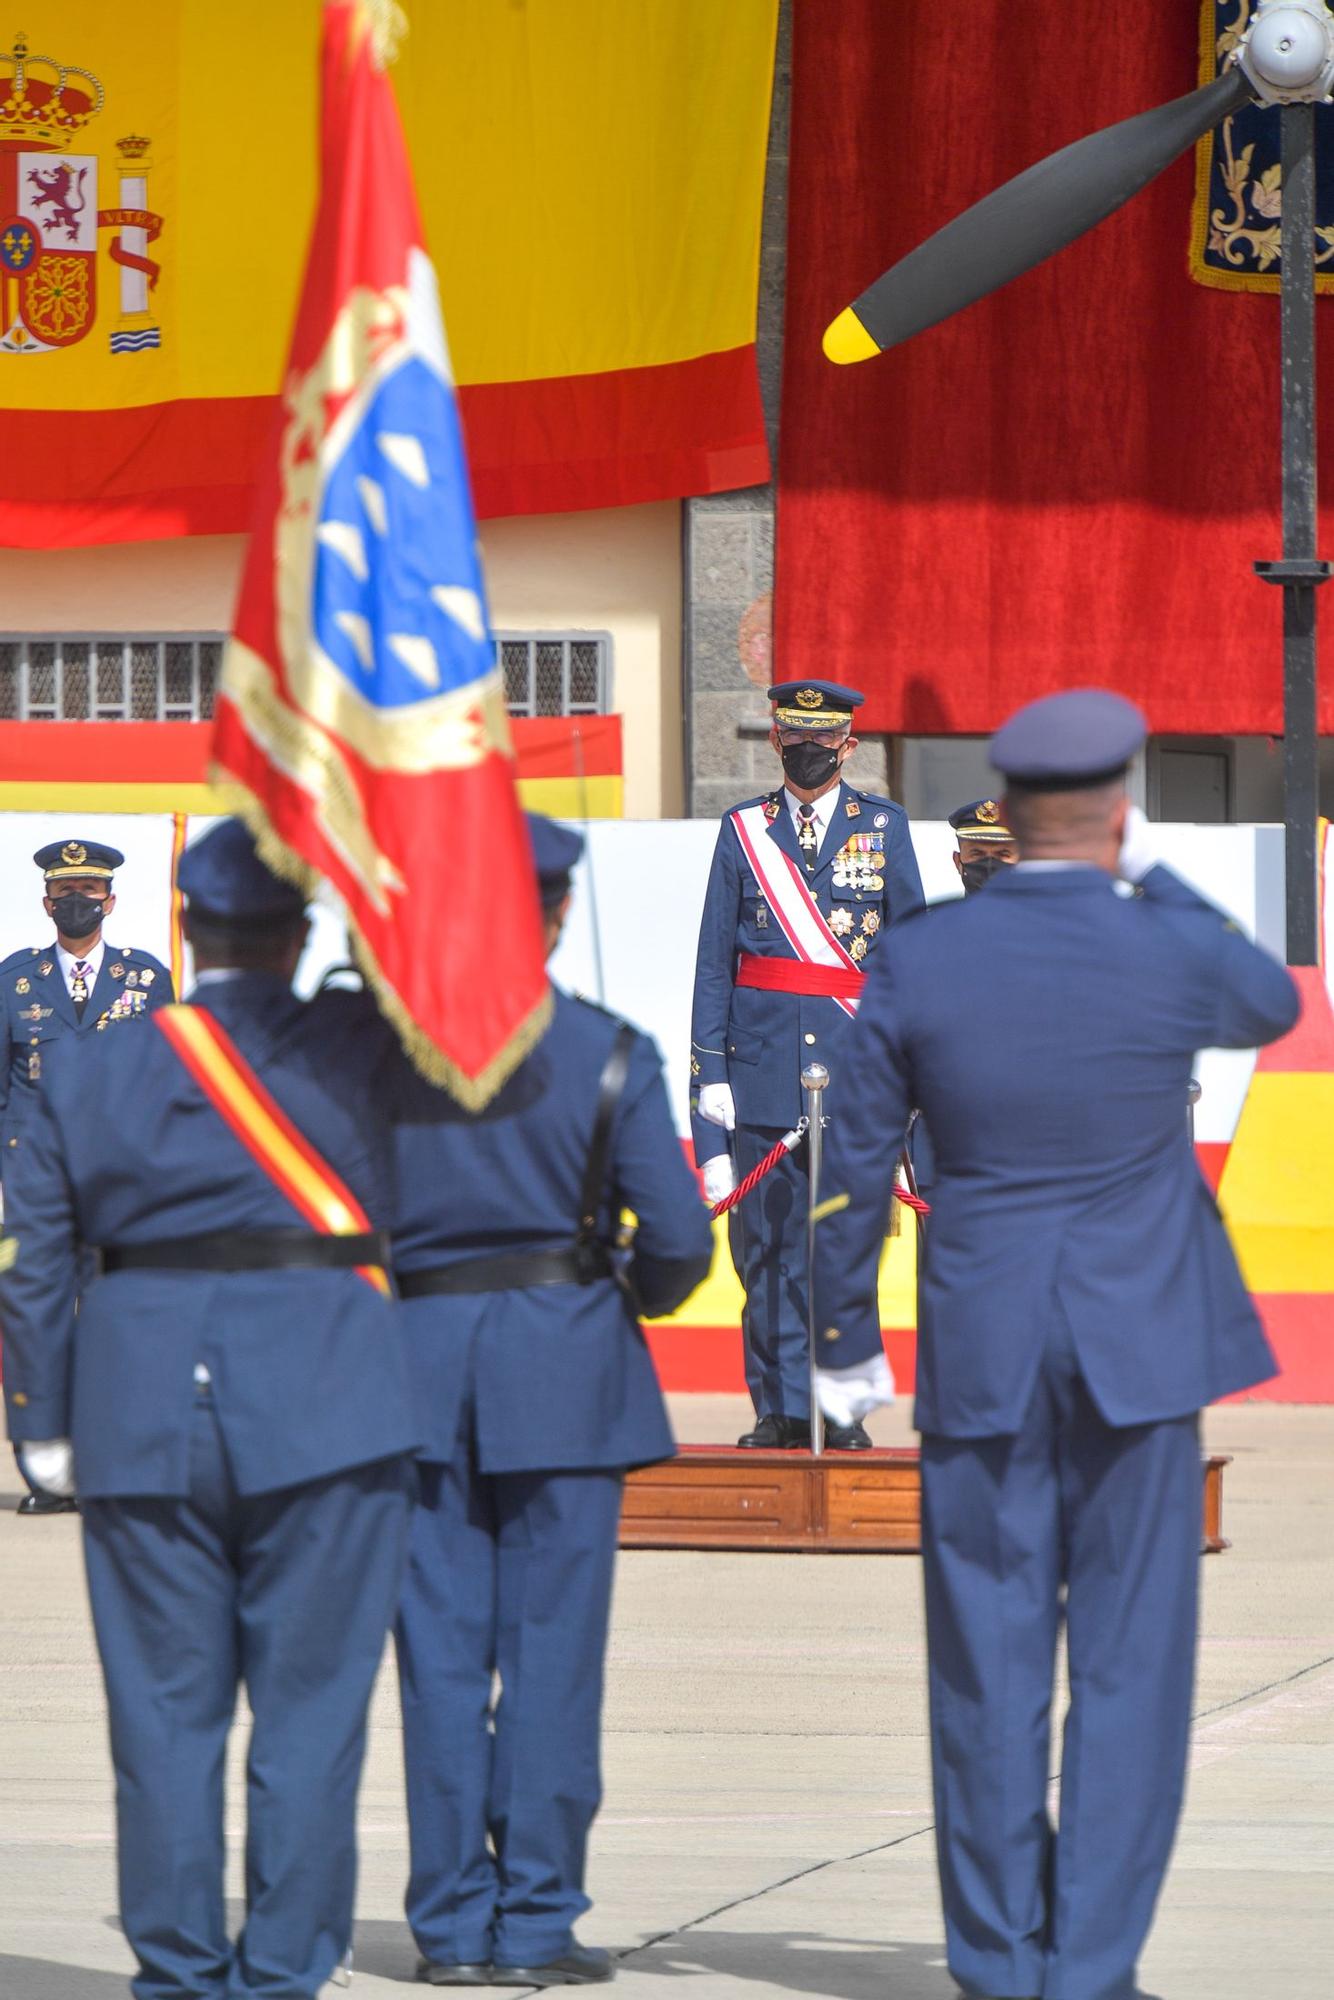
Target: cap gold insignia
<point>23,986</point>
<point>808,697</point>
<point>988,812</point>
<point>74,853</point>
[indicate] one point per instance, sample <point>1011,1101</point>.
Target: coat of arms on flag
<point>361,726</point>
<point>49,217</point>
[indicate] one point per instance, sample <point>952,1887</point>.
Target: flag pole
<point>1301,572</point>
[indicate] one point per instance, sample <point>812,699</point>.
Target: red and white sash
<point>799,915</point>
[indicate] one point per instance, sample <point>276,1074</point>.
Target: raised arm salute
<point>1079,1304</point>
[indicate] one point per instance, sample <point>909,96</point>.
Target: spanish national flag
<point>590,175</point>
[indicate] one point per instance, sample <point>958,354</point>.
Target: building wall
<point>616,571</point>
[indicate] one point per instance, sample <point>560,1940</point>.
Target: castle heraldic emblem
<point>49,217</point>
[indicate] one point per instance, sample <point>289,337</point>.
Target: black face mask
<point>77,915</point>
<point>809,765</point>
<point>976,874</point>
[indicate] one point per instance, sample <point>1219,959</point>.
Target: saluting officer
<point>1079,1304</point>
<point>232,1401</point>
<point>537,1391</point>
<point>70,988</point>
<point>804,883</point>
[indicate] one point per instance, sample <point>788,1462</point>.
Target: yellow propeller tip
<point>846,339</point>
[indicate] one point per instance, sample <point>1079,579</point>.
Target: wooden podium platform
<point>842,1503</point>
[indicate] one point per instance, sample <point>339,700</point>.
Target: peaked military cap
<point>1064,742</point>
<point>225,880</point>
<point>555,852</point>
<point>813,704</point>
<point>78,857</point>
<point>980,821</point>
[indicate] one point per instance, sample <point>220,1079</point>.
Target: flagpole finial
<point>386,22</point>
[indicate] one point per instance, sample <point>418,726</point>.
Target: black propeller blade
<point>1028,220</point>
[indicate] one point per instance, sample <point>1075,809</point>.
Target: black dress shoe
<point>779,1434</point>
<point>453,1975</point>
<point>846,1437</point>
<point>46,1503</point>
<point>581,1965</point>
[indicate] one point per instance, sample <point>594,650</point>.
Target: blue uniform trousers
<point>767,1238</point>
<point>509,1575</point>
<point>1114,1517</point>
<point>291,1593</point>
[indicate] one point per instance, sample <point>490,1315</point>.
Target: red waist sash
<point>795,975</point>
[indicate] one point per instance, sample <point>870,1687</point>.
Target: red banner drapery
<point>1070,481</point>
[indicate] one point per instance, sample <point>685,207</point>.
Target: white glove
<point>847,1395</point>
<point>717,1105</point>
<point>49,1463</point>
<point>1139,849</point>
<point>719,1176</point>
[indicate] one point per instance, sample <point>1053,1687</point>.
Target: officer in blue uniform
<point>983,846</point>
<point>983,843</point>
<point>1079,1304</point>
<point>69,988</point>
<point>537,1390</point>
<point>233,1402</point>
<point>752,1036</point>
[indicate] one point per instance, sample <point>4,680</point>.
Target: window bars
<point>145,678</point>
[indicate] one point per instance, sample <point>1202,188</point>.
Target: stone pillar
<point>728,568</point>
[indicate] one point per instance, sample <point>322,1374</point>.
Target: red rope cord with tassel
<point>776,1154</point>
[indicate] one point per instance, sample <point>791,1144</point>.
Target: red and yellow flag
<point>590,174</point>
<point>360,725</point>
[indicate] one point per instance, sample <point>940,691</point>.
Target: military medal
<point>875,883</point>
<point>34,1065</point>
<point>871,922</point>
<point>23,986</point>
<point>841,922</point>
<point>858,947</point>
<point>131,978</point>
<point>145,977</point>
<point>881,819</point>
<point>761,916</point>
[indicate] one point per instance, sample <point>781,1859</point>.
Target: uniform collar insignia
<point>46,968</point>
<point>771,808</point>
<point>118,970</point>
<point>852,809</point>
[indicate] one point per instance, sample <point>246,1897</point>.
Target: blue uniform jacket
<point>560,1376</point>
<point>309,1374</point>
<point>36,1012</point>
<point>1047,1028</point>
<point>757,1041</point>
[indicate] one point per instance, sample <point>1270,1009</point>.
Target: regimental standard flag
<point>361,726</point>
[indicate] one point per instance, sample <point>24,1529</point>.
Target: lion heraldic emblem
<point>49,217</point>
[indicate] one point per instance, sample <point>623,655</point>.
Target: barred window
<point>555,673</point>
<point>134,678</point>
<point>121,679</point>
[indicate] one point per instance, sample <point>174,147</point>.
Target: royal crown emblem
<point>49,217</point>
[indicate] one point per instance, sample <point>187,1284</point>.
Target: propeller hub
<point>1288,52</point>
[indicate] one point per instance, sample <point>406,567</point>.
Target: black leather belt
<point>249,1250</point>
<point>509,1271</point>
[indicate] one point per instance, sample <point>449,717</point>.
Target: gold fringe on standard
<point>386,23</point>
<point>474,1093</point>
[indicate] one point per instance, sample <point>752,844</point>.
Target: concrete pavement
<point>767,1821</point>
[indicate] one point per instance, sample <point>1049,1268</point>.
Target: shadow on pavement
<point>798,1961</point>
<point>46,1979</point>
<point>801,1962</point>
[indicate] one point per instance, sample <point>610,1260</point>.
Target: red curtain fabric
<point>1067,483</point>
